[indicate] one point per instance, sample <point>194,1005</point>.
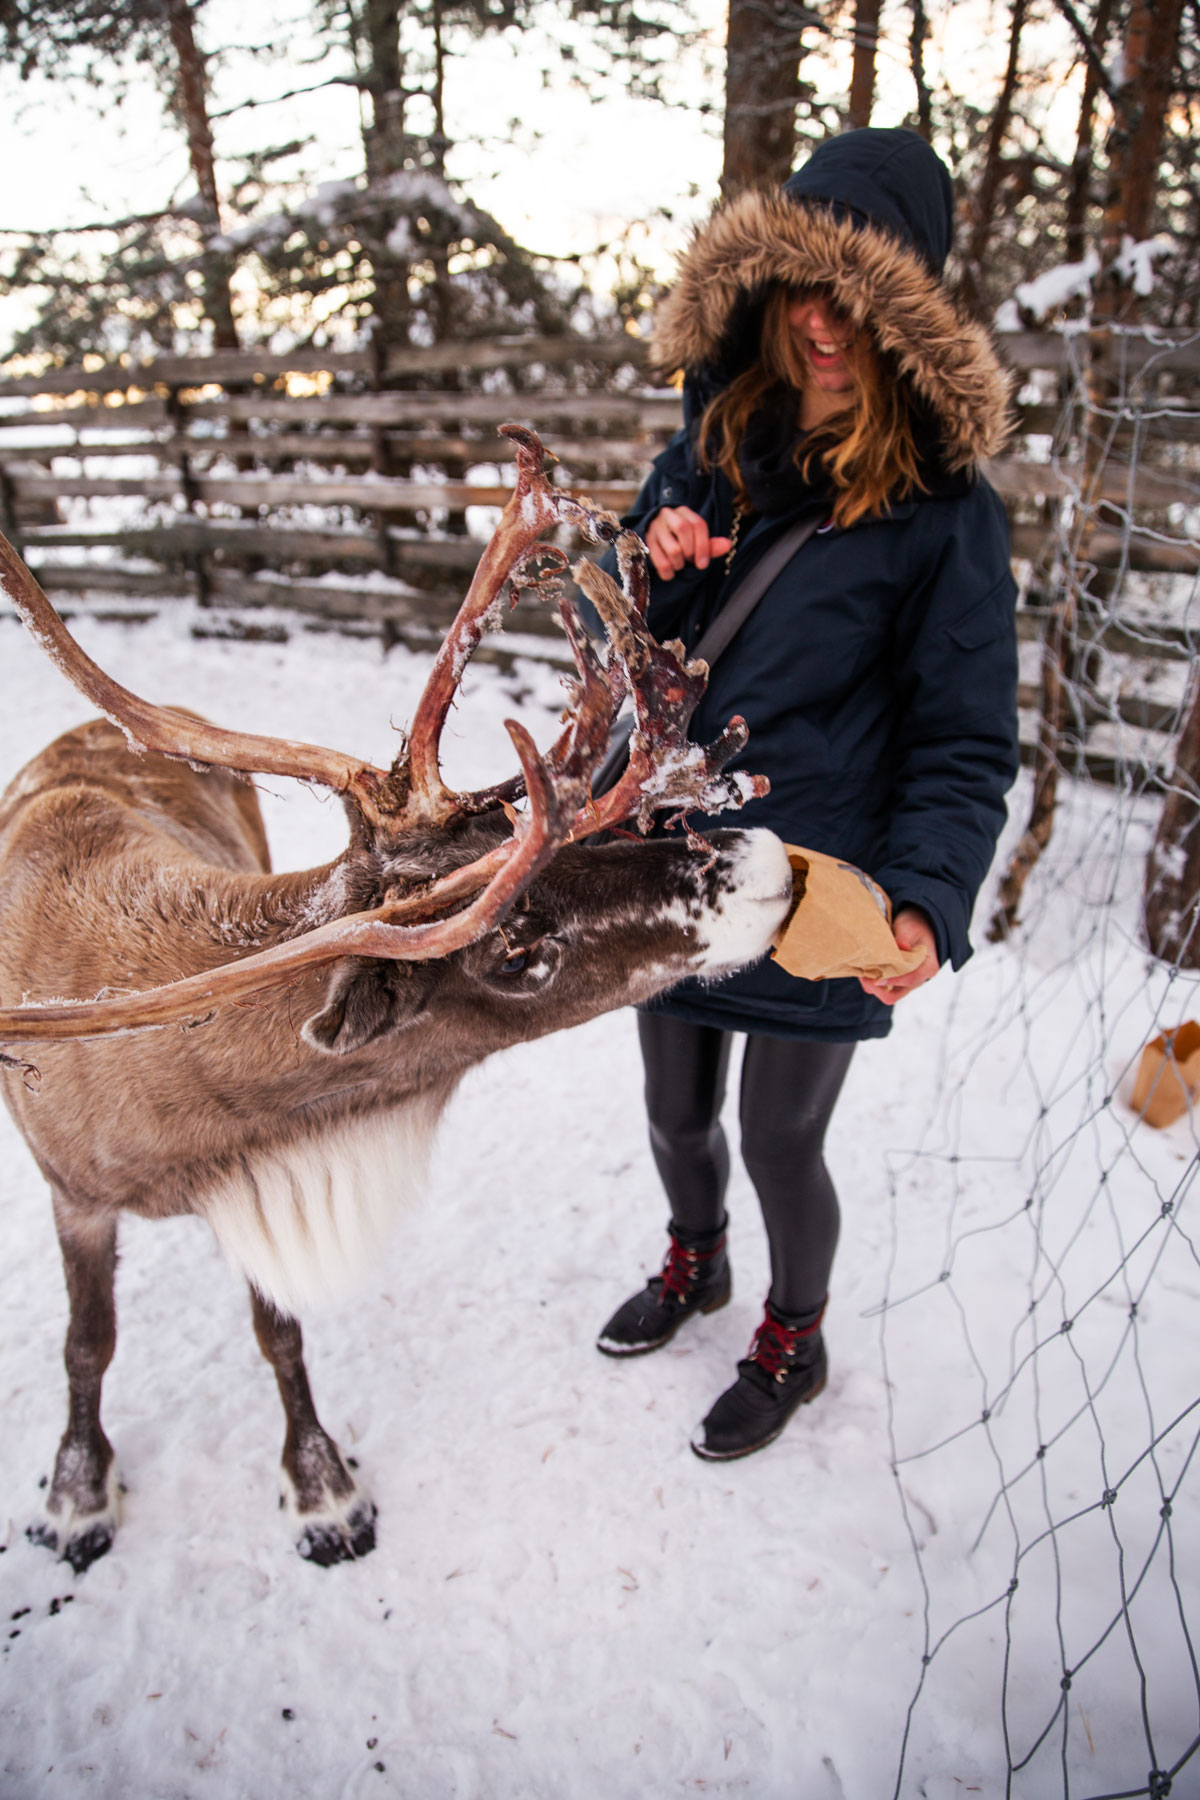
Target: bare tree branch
<point>1087,45</point>
<point>352,81</point>
<point>40,232</point>
<point>983,200</point>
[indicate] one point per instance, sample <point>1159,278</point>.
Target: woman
<point>825,370</point>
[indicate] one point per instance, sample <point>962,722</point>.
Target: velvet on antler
<point>665,770</point>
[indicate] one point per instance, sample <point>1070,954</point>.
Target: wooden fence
<point>343,488</point>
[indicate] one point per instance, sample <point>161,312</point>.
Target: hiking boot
<point>786,1367</point>
<point>695,1278</point>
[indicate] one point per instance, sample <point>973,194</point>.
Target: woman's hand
<point>676,536</point>
<point>910,928</point>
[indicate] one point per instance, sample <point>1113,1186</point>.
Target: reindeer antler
<point>532,509</point>
<point>378,932</point>
<point>165,729</point>
<point>665,769</point>
<point>412,791</point>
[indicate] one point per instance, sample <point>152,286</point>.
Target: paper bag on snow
<point>1168,1075</point>
<point>840,923</point>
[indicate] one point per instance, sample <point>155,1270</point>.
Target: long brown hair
<point>868,449</point>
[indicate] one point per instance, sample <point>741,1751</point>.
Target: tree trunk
<point>862,76</point>
<point>1064,669</point>
<point>1060,647</point>
<point>442,305</point>
<point>1135,146</point>
<point>1172,880</point>
<point>1172,884</point>
<point>193,105</point>
<point>1172,888</point>
<point>916,55</point>
<point>439,142</point>
<point>982,203</point>
<point>762,91</point>
<point>1079,191</point>
<point>1057,650</point>
<point>385,147</point>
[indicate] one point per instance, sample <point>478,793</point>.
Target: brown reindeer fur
<point>294,1120</point>
<point>165,873</point>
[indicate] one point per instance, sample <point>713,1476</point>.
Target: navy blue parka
<point>877,674</point>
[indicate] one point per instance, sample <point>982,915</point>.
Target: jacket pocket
<point>986,619</point>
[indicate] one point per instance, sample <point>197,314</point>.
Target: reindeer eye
<point>526,968</point>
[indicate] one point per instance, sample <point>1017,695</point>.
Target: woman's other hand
<point>911,929</point>
<point>676,536</point>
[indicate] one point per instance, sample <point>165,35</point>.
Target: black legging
<point>788,1092</point>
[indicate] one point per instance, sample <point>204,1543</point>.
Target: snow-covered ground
<point>564,1602</point>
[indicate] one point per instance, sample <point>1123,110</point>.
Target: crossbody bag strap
<point>748,592</point>
<point>732,616</point>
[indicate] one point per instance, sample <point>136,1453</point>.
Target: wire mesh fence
<point>1048,1470</point>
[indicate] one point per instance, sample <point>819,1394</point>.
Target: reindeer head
<point>436,875</point>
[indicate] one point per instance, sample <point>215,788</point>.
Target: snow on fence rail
<point>344,487</point>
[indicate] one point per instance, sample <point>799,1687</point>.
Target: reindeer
<point>271,1052</point>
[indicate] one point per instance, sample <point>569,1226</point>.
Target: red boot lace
<point>682,1267</point>
<point>774,1344</point>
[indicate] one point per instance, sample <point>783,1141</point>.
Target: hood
<point>889,179</point>
<point>869,219</point>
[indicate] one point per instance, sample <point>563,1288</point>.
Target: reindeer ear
<point>367,998</point>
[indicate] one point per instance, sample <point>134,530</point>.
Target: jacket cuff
<point>944,906</point>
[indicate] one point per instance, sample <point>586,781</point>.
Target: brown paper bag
<point>1168,1075</point>
<point>840,924</point>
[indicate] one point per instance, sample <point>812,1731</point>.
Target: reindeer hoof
<point>88,1547</point>
<point>81,1550</point>
<point>80,1533</point>
<point>328,1541</point>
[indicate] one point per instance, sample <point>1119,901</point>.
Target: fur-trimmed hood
<point>865,220</point>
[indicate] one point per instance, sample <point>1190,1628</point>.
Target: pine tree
<point>161,264</point>
<point>396,247</point>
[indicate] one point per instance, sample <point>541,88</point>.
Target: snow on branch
<point>407,193</point>
<point>1034,302</point>
<point>1135,264</point>
<point>1049,292</point>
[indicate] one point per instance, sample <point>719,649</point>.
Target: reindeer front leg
<point>81,1507</point>
<point>337,1522</point>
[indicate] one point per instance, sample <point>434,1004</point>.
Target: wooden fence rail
<point>342,486</point>
<point>236,366</point>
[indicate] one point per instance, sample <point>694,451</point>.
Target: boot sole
<point>610,1347</point>
<point>735,1455</point>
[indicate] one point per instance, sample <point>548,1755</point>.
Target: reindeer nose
<point>754,895</point>
<point>758,864</point>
